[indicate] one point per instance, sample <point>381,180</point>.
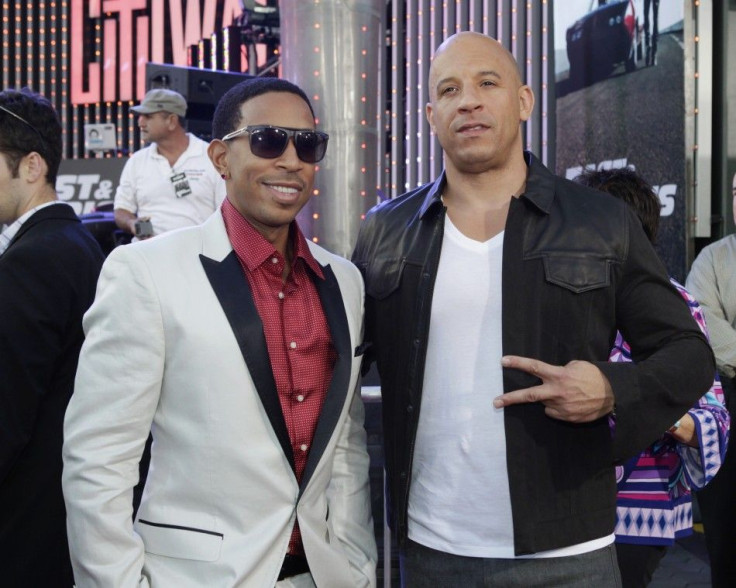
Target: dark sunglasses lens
<point>310,146</point>
<point>268,143</point>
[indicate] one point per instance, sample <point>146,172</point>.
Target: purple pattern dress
<point>653,504</point>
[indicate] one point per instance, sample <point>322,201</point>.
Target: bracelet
<point>674,427</point>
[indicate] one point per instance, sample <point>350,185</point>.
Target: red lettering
<point>125,9</point>
<point>112,79</point>
<point>157,31</point>
<point>77,65</point>
<point>179,38</point>
<point>230,11</point>
<point>208,24</point>
<point>142,52</point>
<point>111,59</point>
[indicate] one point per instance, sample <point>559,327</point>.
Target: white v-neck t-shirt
<point>459,500</point>
<point>459,496</point>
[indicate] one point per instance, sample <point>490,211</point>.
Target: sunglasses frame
<point>291,133</point>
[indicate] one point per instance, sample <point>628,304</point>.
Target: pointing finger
<point>523,396</point>
<point>531,366</point>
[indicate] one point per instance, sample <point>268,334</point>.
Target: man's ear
<point>217,151</point>
<point>33,167</point>
<point>430,116</point>
<point>526,102</point>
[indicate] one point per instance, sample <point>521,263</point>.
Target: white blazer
<point>174,346</point>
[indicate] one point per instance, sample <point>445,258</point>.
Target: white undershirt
<point>459,495</point>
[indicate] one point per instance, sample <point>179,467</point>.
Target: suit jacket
<point>47,281</point>
<point>175,346</point>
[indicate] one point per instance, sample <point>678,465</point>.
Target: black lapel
<point>233,292</point>
<point>334,309</point>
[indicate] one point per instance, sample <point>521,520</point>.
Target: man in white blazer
<point>246,374</point>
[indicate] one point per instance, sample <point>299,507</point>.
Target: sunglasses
<point>270,142</point>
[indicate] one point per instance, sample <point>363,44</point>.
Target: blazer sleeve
<point>108,420</point>
<point>349,490</point>
<point>35,307</point>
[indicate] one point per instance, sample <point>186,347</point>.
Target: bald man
<point>493,295</point>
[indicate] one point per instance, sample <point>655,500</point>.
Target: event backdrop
<point>618,104</point>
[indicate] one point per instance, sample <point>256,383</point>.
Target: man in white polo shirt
<point>171,182</point>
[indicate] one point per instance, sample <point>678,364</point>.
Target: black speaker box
<point>202,89</point>
<point>198,86</point>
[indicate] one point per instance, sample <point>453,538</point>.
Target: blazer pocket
<point>180,541</point>
<point>577,273</point>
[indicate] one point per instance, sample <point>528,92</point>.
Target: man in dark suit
<point>49,265</point>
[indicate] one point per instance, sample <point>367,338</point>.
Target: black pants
<point>424,567</point>
<point>717,502</point>
<point>638,563</point>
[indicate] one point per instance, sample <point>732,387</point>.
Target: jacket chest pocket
<point>382,277</point>
<point>579,302</point>
<point>577,273</point>
<point>392,310</point>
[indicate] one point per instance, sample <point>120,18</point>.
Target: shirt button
<point>292,344</point>
<point>281,295</point>
<point>274,260</point>
<point>303,447</point>
<point>300,398</point>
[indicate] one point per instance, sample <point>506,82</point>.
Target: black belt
<point>293,566</point>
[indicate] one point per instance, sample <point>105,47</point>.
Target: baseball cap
<point>162,100</point>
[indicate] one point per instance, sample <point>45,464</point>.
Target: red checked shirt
<point>297,335</point>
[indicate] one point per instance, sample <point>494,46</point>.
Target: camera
<point>143,228</point>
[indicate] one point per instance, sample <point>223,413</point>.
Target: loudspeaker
<point>198,86</point>
<point>202,89</point>
<point>202,128</point>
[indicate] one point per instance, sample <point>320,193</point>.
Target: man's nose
<point>289,158</point>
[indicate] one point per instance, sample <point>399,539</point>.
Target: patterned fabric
<point>297,335</point>
<point>654,505</point>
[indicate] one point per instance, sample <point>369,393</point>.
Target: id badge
<point>181,185</point>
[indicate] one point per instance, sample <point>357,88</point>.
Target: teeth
<point>285,189</point>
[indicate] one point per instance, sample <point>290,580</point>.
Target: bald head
<point>476,104</point>
<point>461,44</point>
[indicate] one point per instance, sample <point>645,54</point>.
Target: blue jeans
<point>422,567</point>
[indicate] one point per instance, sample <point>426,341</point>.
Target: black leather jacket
<point>576,267</point>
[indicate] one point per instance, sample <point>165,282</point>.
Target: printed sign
<point>621,101</point>
<point>86,184</point>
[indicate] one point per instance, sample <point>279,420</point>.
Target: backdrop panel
<point>620,101</point>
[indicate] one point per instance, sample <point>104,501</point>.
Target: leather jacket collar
<point>540,187</point>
